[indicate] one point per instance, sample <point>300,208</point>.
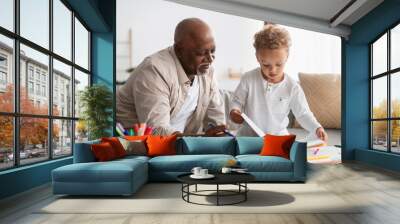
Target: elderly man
<point>174,90</point>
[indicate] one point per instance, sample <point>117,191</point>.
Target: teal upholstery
<point>83,152</point>
<point>184,163</point>
<point>249,145</point>
<point>207,145</point>
<point>119,177</point>
<point>187,162</point>
<point>125,176</point>
<point>257,163</point>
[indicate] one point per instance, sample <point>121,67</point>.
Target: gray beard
<point>202,73</point>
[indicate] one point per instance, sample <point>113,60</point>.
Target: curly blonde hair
<point>272,37</point>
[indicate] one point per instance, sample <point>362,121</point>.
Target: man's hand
<point>321,134</point>
<point>178,134</point>
<point>216,131</point>
<point>236,116</point>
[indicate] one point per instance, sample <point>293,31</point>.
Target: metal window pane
<point>395,95</point>
<point>62,138</point>
<point>62,29</point>
<point>31,58</point>
<point>6,142</point>
<point>62,89</point>
<point>34,19</point>
<point>379,55</point>
<point>81,81</point>
<point>395,47</point>
<point>379,98</point>
<point>7,14</point>
<point>81,131</point>
<point>81,45</point>
<point>33,140</point>
<point>379,135</point>
<point>6,74</point>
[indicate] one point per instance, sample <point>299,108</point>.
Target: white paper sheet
<point>255,128</point>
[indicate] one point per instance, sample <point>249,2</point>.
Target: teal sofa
<point>125,176</point>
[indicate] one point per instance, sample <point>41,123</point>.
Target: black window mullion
<point>50,87</point>
<point>389,104</point>
<point>371,124</point>
<point>16,84</point>
<point>73,82</point>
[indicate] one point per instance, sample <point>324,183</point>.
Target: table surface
<point>220,178</point>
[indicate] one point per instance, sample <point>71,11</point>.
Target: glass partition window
<point>62,32</point>
<point>33,140</point>
<point>45,77</point>
<point>395,47</point>
<point>81,45</point>
<point>35,21</point>
<point>6,142</point>
<point>7,14</point>
<point>31,59</point>
<point>81,81</point>
<point>6,74</point>
<point>385,94</point>
<point>62,141</point>
<point>379,56</point>
<point>62,89</point>
<point>379,97</point>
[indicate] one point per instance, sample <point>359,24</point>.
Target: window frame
<point>388,74</point>
<point>51,118</point>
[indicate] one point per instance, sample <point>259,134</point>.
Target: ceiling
<point>326,16</point>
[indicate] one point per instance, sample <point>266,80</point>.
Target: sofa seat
<point>257,163</point>
<point>167,168</point>
<point>119,177</point>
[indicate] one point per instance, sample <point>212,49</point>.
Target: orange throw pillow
<point>161,145</point>
<point>277,145</point>
<point>116,145</point>
<point>135,138</point>
<point>103,151</point>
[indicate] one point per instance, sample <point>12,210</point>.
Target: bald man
<point>174,90</point>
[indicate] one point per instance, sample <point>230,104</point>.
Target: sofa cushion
<point>185,163</point>
<point>116,145</point>
<point>249,145</point>
<point>83,152</point>
<point>112,171</point>
<point>207,145</point>
<point>103,152</point>
<point>277,145</point>
<point>257,163</point>
<point>161,145</point>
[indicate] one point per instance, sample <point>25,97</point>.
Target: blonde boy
<point>266,94</point>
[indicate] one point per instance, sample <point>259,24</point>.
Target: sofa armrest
<point>298,155</point>
<point>83,152</point>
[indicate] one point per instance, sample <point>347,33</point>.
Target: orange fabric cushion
<point>161,145</point>
<point>116,145</point>
<point>277,145</point>
<point>135,138</point>
<point>103,151</point>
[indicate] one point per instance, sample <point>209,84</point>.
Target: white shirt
<point>268,104</point>
<point>189,106</point>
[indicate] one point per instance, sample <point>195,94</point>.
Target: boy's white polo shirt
<point>268,105</point>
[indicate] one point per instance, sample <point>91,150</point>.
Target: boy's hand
<point>321,134</point>
<point>236,116</point>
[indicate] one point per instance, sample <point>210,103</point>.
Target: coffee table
<point>238,179</point>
